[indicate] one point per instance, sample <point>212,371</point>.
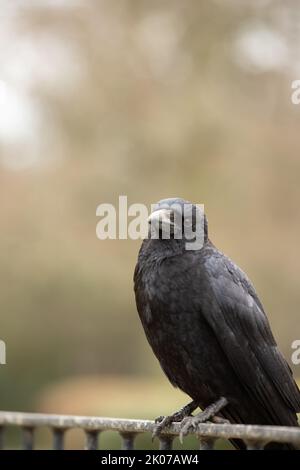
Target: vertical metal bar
<point>255,445</point>
<point>58,438</point>
<point>1,437</point>
<point>91,440</point>
<point>207,444</point>
<point>27,438</point>
<point>127,440</point>
<point>165,442</point>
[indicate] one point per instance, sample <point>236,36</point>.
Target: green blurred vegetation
<point>150,100</point>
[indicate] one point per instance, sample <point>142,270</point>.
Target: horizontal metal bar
<point>227,431</point>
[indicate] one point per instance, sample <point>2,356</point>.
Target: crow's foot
<point>164,421</point>
<point>191,422</point>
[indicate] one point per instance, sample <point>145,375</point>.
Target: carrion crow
<point>208,329</point>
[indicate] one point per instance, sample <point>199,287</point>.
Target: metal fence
<point>255,437</point>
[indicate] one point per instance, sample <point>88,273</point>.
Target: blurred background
<point>150,100</point>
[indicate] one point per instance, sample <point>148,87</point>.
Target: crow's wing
<point>238,320</point>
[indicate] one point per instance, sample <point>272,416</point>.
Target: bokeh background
<point>150,100</point>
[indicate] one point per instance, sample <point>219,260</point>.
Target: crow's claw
<point>163,422</point>
<point>191,422</point>
<point>159,419</point>
<point>160,424</point>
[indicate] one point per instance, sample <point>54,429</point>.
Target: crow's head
<point>178,219</point>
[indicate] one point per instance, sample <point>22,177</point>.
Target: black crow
<point>208,329</point>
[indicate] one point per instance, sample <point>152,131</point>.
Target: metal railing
<point>255,437</point>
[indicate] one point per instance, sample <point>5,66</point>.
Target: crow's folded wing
<point>243,331</point>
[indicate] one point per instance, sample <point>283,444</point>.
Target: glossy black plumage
<point>208,329</point>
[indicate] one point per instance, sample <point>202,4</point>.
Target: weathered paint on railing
<point>256,437</point>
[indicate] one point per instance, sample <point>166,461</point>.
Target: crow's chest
<point>167,309</point>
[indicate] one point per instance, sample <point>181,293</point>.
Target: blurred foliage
<point>152,100</point>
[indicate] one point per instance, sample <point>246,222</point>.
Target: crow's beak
<point>161,218</point>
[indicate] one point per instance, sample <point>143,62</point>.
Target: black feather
<point>209,331</point>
